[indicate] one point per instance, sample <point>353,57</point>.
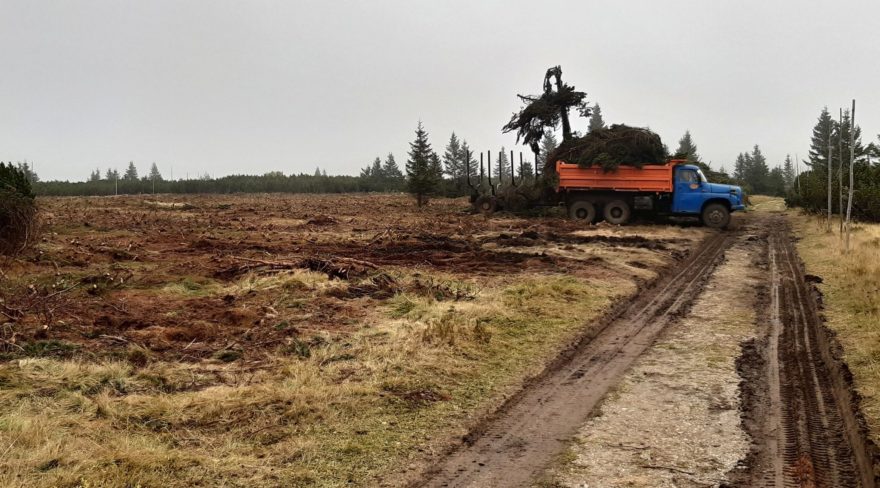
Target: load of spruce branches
<point>609,148</point>
<point>18,211</point>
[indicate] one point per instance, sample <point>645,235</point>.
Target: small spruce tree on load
<point>422,168</point>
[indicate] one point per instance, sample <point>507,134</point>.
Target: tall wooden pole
<point>852,157</point>
<point>829,167</point>
<point>797,172</point>
<point>840,170</point>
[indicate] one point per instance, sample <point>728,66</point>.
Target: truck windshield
<point>702,176</point>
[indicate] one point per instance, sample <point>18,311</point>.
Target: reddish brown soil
<point>97,283</point>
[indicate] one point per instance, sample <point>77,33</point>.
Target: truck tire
<point>486,205</point>
<point>582,210</point>
<point>716,215</point>
<point>617,212</point>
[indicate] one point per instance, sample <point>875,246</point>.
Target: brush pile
<point>18,211</point>
<point>609,148</point>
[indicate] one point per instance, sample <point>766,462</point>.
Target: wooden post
<point>797,172</point>
<point>828,168</point>
<point>852,157</point>
<point>840,170</point>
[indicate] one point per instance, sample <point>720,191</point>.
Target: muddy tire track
<point>522,438</point>
<point>803,415</point>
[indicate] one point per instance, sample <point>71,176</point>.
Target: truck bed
<point>648,178</point>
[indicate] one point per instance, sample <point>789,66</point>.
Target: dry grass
<point>851,288</point>
<point>344,412</point>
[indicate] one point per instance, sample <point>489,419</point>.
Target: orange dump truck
<point>673,189</point>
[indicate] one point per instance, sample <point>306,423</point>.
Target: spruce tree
<point>687,149</point>
<point>596,121</point>
<point>366,172</point>
<point>318,172</point>
<point>131,174</point>
<point>95,176</point>
<point>472,165</point>
<point>391,169</point>
<point>822,132</point>
<point>453,164</point>
<point>422,167</point>
<point>788,173</point>
<point>501,170</point>
<point>757,171</point>
<point>154,173</point>
<point>377,172</point>
<point>775,182</point>
<point>548,145</point>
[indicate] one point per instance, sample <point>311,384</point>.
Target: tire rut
<point>522,438</point>
<point>806,427</point>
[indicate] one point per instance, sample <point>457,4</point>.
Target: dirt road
<point>797,406</point>
<point>523,437</point>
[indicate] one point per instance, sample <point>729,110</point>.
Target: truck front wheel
<point>617,212</point>
<point>716,216</point>
<point>582,210</point>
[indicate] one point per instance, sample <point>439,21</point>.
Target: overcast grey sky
<point>248,87</point>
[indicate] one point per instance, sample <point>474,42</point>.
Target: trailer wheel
<point>486,205</point>
<point>617,212</point>
<point>716,216</point>
<point>582,210</point>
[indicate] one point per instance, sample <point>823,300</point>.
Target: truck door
<point>688,195</point>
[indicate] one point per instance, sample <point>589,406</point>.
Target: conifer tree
<point>422,168</point>
<point>472,165</point>
<point>377,172</point>
<point>822,132</point>
<point>548,145</point>
<point>788,173</point>
<point>596,121</point>
<point>131,173</point>
<point>391,169</point>
<point>453,164</point>
<point>95,175</point>
<point>687,149</point>
<point>318,172</point>
<point>501,170</point>
<point>154,173</point>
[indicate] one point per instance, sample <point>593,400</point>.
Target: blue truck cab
<point>712,202</point>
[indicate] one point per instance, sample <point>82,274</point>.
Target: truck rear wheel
<point>582,210</point>
<point>716,216</point>
<point>617,212</point>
